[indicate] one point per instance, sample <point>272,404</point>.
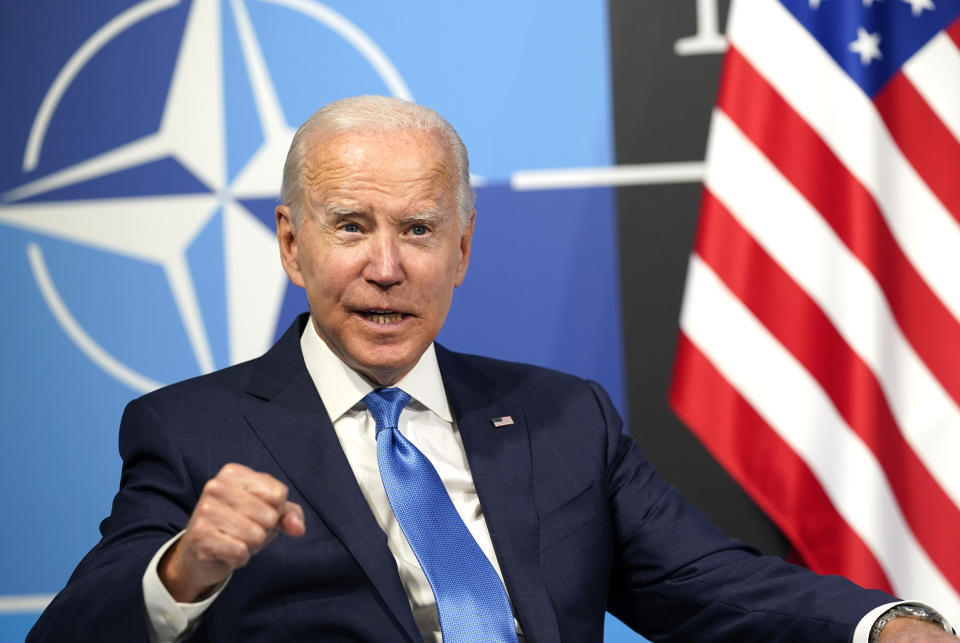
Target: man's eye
<point>418,230</point>
<point>351,227</point>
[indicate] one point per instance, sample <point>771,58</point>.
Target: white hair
<point>377,114</point>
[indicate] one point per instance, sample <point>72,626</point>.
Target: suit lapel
<point>500,462</point>
<point>294,426</point>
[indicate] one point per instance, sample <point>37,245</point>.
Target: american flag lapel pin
<point>502,421</point>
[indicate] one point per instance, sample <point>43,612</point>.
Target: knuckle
<point>204,508</point>
<point>269,516</point>
<point>239,554</point>
<point>231,469</point>
<point>213,486</point>
<point>258,535</point>
<point>279,491</point>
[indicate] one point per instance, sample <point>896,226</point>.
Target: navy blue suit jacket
<point>580,521</point>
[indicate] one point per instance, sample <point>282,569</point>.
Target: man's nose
<point>383,265</point>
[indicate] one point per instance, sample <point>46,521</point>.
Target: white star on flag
<point>917,6</point>
<point>869,3</point>
<point>815,4</point>
<point>867,45</point>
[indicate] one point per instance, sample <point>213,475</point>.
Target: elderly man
<point>359,482</point>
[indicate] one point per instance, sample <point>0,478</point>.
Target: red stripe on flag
<point>804,330</point>
<point>806,161</point>
<point>954,32</point>
<point>773,474</point>
<point>923,138</point>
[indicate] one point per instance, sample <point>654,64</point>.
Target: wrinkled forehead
<point>406,163</point>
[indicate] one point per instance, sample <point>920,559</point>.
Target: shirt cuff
<point>168,619</point>
<point>862,633</point>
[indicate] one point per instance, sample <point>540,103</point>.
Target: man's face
<point>379,247</point>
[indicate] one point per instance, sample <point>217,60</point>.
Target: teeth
<point>384,318</point>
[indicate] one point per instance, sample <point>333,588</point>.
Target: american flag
<point>819,353</point>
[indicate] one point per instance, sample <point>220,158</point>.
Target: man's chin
<point>385,367</point>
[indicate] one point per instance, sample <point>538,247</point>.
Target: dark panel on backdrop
<point>662,104</point>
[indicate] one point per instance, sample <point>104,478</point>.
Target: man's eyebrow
<point>426,216</point>
<point>339,211</point>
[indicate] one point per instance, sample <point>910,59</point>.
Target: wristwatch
<point>912,610</point>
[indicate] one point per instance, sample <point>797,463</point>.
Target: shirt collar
<point>341,388</point>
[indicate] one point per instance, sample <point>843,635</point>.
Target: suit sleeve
<point>676,577</point>
<point>103,600</point>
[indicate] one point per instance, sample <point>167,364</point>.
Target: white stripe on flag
<point>926,70</point>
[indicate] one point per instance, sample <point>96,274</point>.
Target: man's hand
<point>239,513</point>
<point>912,630</point>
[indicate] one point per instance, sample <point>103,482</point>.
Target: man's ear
<point>287,238</point>
<point>466,239</point>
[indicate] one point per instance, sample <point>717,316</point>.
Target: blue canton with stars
<point>872,39</point>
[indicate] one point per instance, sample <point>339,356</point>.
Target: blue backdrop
<point>139,169</point>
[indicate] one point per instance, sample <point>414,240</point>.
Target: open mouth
<point>382,316</point>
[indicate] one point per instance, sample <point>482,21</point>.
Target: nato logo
<point>152,168</point>
<point>141,150</point>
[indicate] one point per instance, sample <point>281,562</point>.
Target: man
<point>269,501</point>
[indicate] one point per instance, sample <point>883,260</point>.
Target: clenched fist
<point>239,513</point>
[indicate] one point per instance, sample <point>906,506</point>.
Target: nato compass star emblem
<point>224,190</point>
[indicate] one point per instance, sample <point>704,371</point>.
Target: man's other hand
<point>911,630</point>
<point>239,513</point>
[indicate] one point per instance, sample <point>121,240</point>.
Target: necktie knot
<point>386,404</point>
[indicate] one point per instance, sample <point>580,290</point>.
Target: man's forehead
<point>416,164</point>
<point>362,145</point>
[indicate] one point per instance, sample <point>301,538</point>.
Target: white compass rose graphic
<point>192,132</point>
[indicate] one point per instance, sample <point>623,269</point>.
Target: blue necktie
<point>471,600</point>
